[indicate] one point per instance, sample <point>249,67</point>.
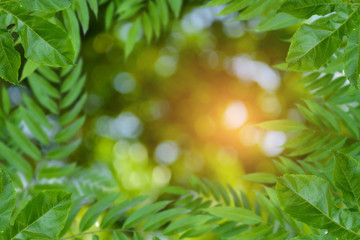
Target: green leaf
<point>313,237</point>
<point>29,68</point>
<point>69,131</point>
<point>44,42</point>
<point>36,112</point>
<point>175,190</point>
<point>198,231</point>
<point>16,160</point>
<point>94,6</point>
<point>175,6</point>
<point>159,219</point>
<point>94,211</point>
<point>352,58</point>
<point>132,37</point>
<point>275,21</point>
<point>64,151</point>
<point>155,18</point>
<point>254,233</point>
<point>119,236</point>
<point>46,5</point>
<point>34,127</point>
<point>307,8</point>
<point>51,170</point>
<point>6,104</point>
<point>308,199</point>
<point>346,178</point>
<point>117,211</point>
<point>74,93</point>
<point>74,210</point>
<point>10,62</point>
<point>83,14</point>
<point>348,122</point>
<point>162,5</point>
<point>313,45</point>
<point>72,27</point>
<point>256,8</point>
<point>72,114</point>
<point>325,115</point>
<point>137,236</point>
<point>282,125</point>
<point>7,199</point>
<point>260,177</point>
<point>144,213</point>
<point>45,222</point>
<point>236,214</point>
<point>109,15</point>
<point>186,223</point>
<point>23,141</point>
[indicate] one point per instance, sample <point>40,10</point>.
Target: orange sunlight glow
<point>235,115</point>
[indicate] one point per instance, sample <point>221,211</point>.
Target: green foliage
<point>316,198</point>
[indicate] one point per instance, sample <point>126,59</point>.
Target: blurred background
<point>186,104</point>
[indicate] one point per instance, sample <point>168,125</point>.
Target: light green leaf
<point>198,231</point>
<point>313,45</point>
<point>274,21</point>
<point>236,214</point>
<point>352,58</point>
<point>83,14</point>
<point>64,151</point>
<point>74,210</point>
<point>256,8</point>
<point>109,15</point>
<point>72,114</point>
<point>51,170</point>
<point>74,93</point>
<point>23,141</point>
<point>324,114</point>
<point>69,131</point>
<point>185,223</point>
<point>162,5</point>
<point>282,125</point>
<point>7,199</point>
<point>155,18</point>
<point>34,222</point>
<point>34,127</point>
<point>132,37</point>
<point>308,199</point>
<point>46,5</point>
<point>307,8</point>
<point>254,233</point>
<point>44,42</point>
<point>10,58</point>
<point>119,236</point>
<point>313,237</point>
<point>260,177</point>
<point>159,219</point>
<point>6,104</point>
<point>16,160</point>
<point>94,211</point>
<point>73,28</point>
<point>29,68</point>
<point>94,6</point>
<point>175,6</point>
<point>346,177</point>
<point>175,190</point>
<point>144,213</point>
<point>117,211</point>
